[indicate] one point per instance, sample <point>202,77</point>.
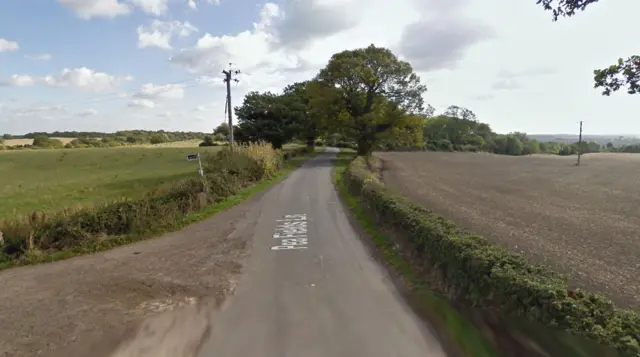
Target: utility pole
<point>228,77</point>
<point>579,144</point>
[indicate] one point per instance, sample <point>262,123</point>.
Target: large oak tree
<point>364,92</point>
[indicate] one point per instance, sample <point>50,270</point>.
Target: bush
<point>46,142</point>
<point>444,145</point>
<point>208,141</point>
<point>159,138</point>
<point>254,161</point>
<point>219,137</point>
<point>431,145</point>
<point>478,273</point>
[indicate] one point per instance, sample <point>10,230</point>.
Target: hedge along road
<point>311,288</point>
<point>324,297</point>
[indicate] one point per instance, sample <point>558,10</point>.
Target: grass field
<point>582,220</point>
<point>49,180</point>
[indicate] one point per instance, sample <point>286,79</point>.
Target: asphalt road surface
<point>318,292</point>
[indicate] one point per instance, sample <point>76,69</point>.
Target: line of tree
<point>459,130</point>
<point>368,99</point>
<point>364,98</point>
<point>83,139</point>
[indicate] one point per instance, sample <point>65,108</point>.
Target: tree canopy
<point>269,117</point>
<point>366,96</point>
<point>366,92</point>
<point>368,99</point>
<point>625,73</point>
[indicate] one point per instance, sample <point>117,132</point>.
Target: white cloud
<point>155,7</point>
<point>85,79</point>
<point>213,81</point>
<point>505,84</point>
<point>17,80</point>
<point>142,103</point>
<point>40,57</point>
<point>303,21</point>
<point>160,33</point>
<point>88,112</point>
<point>249,50</point>
<point>87,9</point>
<point>170,115</point>
<point>192,4</point>
<point>509,80</point>
<point>8,46</point>
<point>168,91</point>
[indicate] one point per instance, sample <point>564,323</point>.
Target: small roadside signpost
<point>193,157</point>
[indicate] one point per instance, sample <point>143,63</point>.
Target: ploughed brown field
<point>582,220</point>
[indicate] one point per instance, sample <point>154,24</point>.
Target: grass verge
<point>98,240</point>
<point>457,329</point>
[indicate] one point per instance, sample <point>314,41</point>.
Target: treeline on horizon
<point>459,130</point>
<point>88,139</point>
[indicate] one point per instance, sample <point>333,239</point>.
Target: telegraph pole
<point>228,77</point>
<point>579,144</point>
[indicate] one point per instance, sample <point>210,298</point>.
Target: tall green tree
<point>625,73</point>
<point>222,129</point>
<point>268,117</point>
<point>460,113</point>
<point>298,98</point>
<point>365,86</point>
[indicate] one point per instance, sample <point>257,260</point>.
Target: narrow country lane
<point>310,288</point>
<point>317,293</point>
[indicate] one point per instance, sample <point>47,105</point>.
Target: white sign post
<point>193,157</point>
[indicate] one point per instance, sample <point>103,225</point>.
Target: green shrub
<point>481,274</point>
<point>159,138</point>
<point>208,141</point>
<point>219,137</point>
<point>444,145</point>
<point>431,145</point>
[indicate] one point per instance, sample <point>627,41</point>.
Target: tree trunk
<point>365,146</point>
<point>311,141</point>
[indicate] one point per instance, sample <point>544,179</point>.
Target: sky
<point>107,65</point>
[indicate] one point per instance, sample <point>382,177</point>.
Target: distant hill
<point>617,140</point>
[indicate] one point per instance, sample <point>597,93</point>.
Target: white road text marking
<point>292,232</point>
